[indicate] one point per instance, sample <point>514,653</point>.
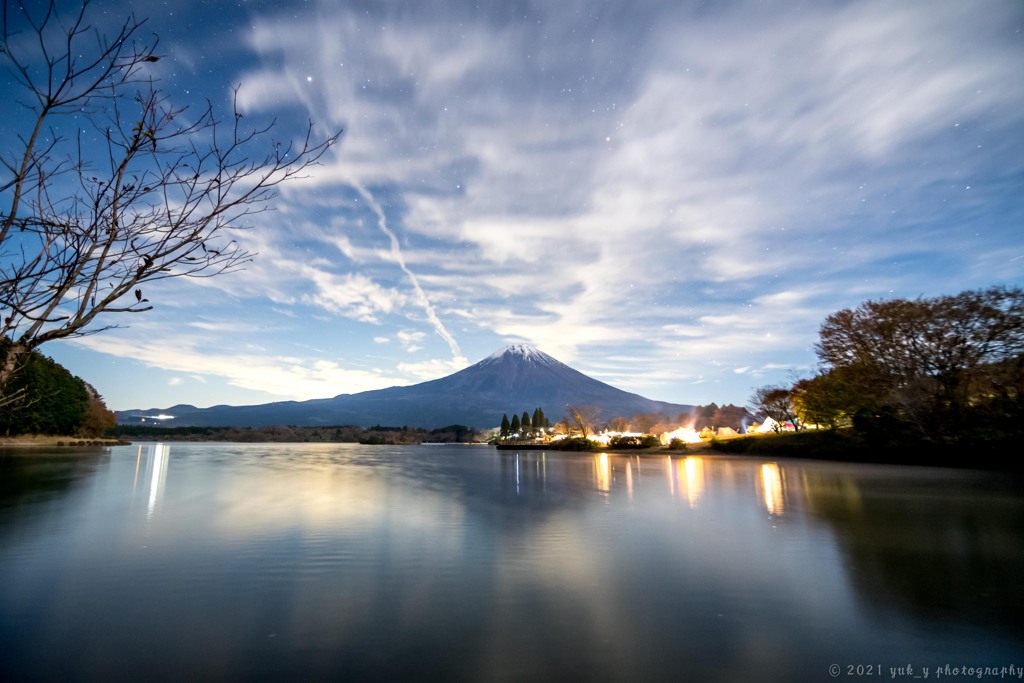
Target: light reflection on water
<point>771,482</point>
<point>270,561</point>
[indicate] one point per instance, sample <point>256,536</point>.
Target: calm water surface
<point>343,562</point>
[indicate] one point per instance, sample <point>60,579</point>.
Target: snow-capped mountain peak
<point>524,352</point>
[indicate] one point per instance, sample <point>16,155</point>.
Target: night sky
<point>668,196</point>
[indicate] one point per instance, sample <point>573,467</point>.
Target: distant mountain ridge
<point>516,378</point>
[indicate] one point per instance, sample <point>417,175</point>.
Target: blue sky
<point>668,196</point>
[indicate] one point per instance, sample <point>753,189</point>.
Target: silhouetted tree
<point>539,421</point>
<point>582,418</point>
<point>728,416</point>
<point>452,434</point>
<point>110,186</point>
<point>775,402</point>
<point>645,422</point>
<point>618,424</point>
<point>831,399</point>
<point>52,400</point>
<point>705,414</point>
<point>926,357</point>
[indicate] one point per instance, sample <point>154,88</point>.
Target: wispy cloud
<point>287,377</point>
<point>666,196</point>
<point>351,295</point>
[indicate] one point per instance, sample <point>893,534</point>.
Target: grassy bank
<point>848,446</point>
<point>40,441</point>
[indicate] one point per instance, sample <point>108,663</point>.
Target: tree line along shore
<point>935,381</point>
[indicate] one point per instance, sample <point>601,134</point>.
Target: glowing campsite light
<point>684,434</point>
<point>771,425</point>
<point>161,416</point>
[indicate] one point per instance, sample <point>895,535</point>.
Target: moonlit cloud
<point>281,376</point>
<point>670,198</point>
<point>350,295</point>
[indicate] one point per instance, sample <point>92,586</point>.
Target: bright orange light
<point>684,434</point>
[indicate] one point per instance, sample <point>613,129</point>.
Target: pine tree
<point>538,420</point>
<point>506,427</point>
<point>527,425</point>
<point>514,427</point>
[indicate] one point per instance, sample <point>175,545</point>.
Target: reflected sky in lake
<point>274,561</point>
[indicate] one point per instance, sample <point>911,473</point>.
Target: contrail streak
<point>382,223</point>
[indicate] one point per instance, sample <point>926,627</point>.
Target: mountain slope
<point>514,379</point>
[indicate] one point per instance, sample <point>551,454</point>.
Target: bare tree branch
<point>84,226</point>
<point>582,418</point>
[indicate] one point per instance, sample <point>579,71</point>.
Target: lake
<point>248,562</point>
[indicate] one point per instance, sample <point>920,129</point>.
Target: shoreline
<point>27,444</point>
<point>691,448</point>
<point>30,441</point>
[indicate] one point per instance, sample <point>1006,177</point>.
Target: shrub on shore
<point>631,442</point>
<point>575,444</point>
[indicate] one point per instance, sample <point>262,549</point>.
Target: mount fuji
<point>515,379</point>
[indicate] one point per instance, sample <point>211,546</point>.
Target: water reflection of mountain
<point>944,546</point>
